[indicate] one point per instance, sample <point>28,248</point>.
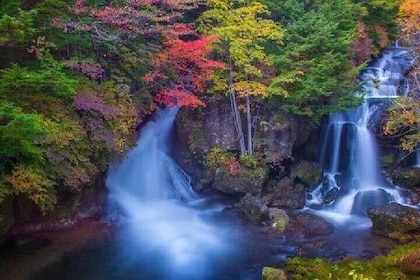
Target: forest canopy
<point>78,77</point>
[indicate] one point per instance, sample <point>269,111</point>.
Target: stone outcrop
<point>198,131</point>
<point>308,173</point>
<point>254,207</point>
<point>247,180</point>
<point>286,194</point>
<point>313,225</point>
<point>395,221</point>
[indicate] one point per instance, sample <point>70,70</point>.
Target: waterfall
<point>350,157</point>
<point>168,231</point>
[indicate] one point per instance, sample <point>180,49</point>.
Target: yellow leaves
<point>62,133</point>
<point>409,18</point>
<point>34,184</point>
<point>404,121</point>
<point>251,88</point>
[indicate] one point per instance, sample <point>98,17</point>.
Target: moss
<point>280,223</point>
<point>270,273</point>
<point>396,265</point>
<point>387,160</point>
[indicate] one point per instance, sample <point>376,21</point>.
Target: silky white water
<point>352,176</point>
<point>168,230</point>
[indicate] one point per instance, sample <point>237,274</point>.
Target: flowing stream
<point>170,232</point>
<point>352,175</point>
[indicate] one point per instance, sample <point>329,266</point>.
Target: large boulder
<point>407,178</point>
<point>286,194</point>
<point>254,207</point>
<point>306,172</point>
<point>247,180</point>
<point>313,225</point>
<point>395,221</point>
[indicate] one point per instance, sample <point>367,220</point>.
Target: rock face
<point>407,178</point>
<point>287,195</point>
<point>309,173</point>
<point>395,221</point>
<point>246,181</point>
<point>6,217</point>
<point>200,130</point>
<point>253,207</point>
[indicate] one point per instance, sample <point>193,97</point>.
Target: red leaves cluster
<point>178,97</point>
<point>232,164</point>
<point>191,63</point>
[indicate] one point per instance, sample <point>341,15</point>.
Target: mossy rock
<point>254,207</point>
<point>389,266</point>
<point>395,221</point>
<point>247,180</point>
<point>306,172</point>
<point>271,273</point>
<point>407,178</point>
<point>279,219</point>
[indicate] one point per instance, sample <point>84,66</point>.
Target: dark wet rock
<point>69,212</point>
<point>253,207</point>
<point>407,178</point>
<point>275,136</point>
<point>331,194</point>
<point>271,273</point>
<point>6,217</point>
<point>279,219</point>
<point>395,221</point>
<point>313,225</point>
<point>288,195</point>
<point>247,180</point>
<point>306,172</point>
<point>365,199</point>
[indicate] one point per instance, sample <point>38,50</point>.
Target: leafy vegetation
<point>78,76</point>
<point>401,263</point>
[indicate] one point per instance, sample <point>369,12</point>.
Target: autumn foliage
<point>188,62</point>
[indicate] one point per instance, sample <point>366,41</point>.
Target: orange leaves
<point>410,18</point>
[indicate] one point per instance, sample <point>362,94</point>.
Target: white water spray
<point>168,229</point>
<point>352,180</point>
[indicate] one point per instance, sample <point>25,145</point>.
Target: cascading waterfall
<point>168,231</point>
<point>352,179</point>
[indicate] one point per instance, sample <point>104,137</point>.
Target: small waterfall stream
<point>352,177</point>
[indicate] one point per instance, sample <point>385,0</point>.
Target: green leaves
<point>19,134</point>
<point>49,79</point>
<point>314,68</point>
<point>15,30</point>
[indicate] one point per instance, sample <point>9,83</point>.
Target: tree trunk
<point>249,124</point>
<point>235,111</point>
